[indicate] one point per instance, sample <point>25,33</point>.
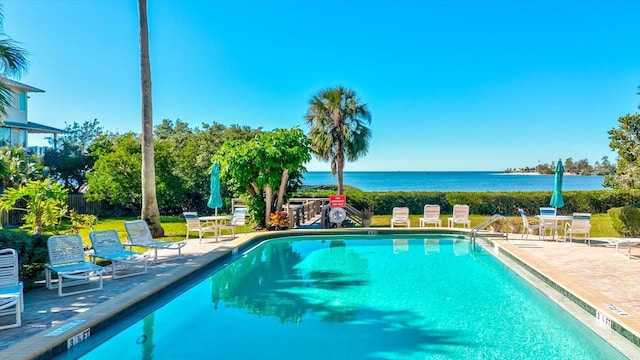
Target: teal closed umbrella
<point>556,199</point>
<point>215,200</point>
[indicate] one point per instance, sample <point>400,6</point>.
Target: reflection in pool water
<point>400,297</point>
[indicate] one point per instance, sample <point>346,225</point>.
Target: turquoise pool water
<point>426,297</point>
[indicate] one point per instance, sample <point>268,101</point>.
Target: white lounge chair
<point>139,235</point>
<point>194,224</point>
<point>628,242</point>
<point>400,216</point>
<point>460,216</point>
<point>431,215</point>
<point>66,259</point>
<point>580,225</point>
<point>11,288</point>
<point>529,227</point>
<point>106,245</point>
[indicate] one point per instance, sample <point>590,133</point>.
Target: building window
<point>19,137</point>
<point>22,101</point>
<point>5,136</point>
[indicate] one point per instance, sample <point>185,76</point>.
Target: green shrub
<point>481,203</point>
<point>626,220</point>
<point>32,253</point>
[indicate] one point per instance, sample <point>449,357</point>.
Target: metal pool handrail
<point>479,229</point>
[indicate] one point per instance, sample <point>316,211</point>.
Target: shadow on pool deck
<point>594,272</point>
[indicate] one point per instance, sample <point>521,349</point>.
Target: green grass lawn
<point>175,227</point>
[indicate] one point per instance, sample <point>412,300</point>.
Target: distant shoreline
<point>447,181</point>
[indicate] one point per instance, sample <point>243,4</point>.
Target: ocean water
<point>453,181</point>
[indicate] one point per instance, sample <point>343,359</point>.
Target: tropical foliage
<point>45,204</point>
<point>625,140</point>
<point>338,131</point>
<point>17,167</point>
<point>182,159</point>
<point>265,169</point>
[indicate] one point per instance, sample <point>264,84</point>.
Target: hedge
<point>481,203</point>
<point>32,253</point>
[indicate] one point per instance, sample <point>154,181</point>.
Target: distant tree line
<point>581,167</point>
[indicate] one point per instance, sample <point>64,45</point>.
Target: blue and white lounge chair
<point>66,259</point>
<point>11,294</point>
<point>139,235</point>
<point>106,245</point>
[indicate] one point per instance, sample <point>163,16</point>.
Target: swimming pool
<point>359,297</point>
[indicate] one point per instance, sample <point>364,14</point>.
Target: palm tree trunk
<point>340,163</point>
<point>150,211</point>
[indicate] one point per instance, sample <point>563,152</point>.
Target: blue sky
<point>451,85</point>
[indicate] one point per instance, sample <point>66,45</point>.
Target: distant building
<point>16,125</point>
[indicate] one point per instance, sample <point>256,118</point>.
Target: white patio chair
<point>194,224</point>
<point>580,225</point>
<point>106,245</point>
<point>66,259</point>
<point>138,234</point>
<point>400,216</point>
<point>11,288</point>
<point>460,216</point>
<point>238,219</point>
<point>431,215</point>
<point>529,227</point>
<point>550,225</point>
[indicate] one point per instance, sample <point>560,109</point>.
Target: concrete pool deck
<point>595,274</point>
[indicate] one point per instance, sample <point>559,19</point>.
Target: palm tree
<point>13,63</point>
<point>337,122</point>
<point>150,211</point>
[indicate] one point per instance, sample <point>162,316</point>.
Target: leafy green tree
<point>582,167</point>
<point>185,159</point>
<point>625,140</point>
<point>338,131</point>
<point>150,210</point>
<point>68,159</point>
<point>46,203</point>
<point>545,168</point>
<point>604,167</point>
<point>182,158</point>
<point>569,166</point>
<point>13,63</point>
<point>264,169</point>
<point>115,177</point>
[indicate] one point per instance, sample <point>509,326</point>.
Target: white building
<point>16,124</point>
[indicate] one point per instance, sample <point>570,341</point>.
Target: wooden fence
<point>76,202</point>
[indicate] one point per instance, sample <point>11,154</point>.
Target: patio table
<point>556,218</point>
